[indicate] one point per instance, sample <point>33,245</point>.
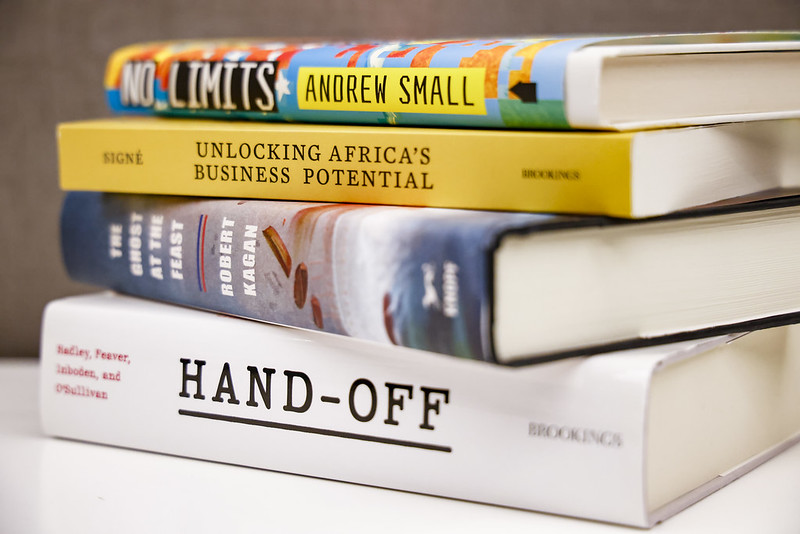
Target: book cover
<point>623,174</point>
<point>369,271</point>
<point>611,438</point>
<point>431,279</point>
<point>557,82</point>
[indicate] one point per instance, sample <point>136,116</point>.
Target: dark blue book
<point>510,288</point>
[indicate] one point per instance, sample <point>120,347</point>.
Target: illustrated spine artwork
<point>372,272</point>
<point>486,83</point>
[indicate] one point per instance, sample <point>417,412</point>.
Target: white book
<point>628,437</point>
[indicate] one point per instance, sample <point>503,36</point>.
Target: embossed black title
<point>362,401</point>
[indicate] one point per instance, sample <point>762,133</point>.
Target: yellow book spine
<point>475,169</point>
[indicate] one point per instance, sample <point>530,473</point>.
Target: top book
<point>589,82</point>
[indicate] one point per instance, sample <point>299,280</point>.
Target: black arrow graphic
<point>525,91</point>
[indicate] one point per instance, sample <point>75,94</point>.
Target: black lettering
<point>373,400</point>
<point>289,406</point>
<point>230,155</point>
<point>420,89</point>
<point>338,88</point>
<point>450,101</point>
<point>424,155</point>
<point>247,172</point>
<point>436,90</point>
<point>464,91</point>
<point>324,89</point>
<point>196,378</point>
<point>215,174</point>
<point>368,177</point>
<point>225,385</point>
<point>396,401</point>
<point>352,81</point>
<point>405,156</point>
<point>364,88</point>
<point>380,89</point>
<point>258,154</point>
<point>256,383</point>
<point>428,405</point>
<point>425,184</point>
<point>311,90</point>
<point>407,96</point>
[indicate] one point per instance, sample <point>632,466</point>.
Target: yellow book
<point>623,174</point>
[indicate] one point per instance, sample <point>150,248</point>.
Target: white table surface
<point>59,486</point>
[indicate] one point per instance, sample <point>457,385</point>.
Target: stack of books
<point>557,274</point>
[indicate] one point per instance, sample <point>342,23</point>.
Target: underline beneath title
<point>314,430</point>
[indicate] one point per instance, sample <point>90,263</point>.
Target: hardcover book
<point>560,82</point>
<point>628,437</point>
<point>498,286</point>
<point>623,174</point>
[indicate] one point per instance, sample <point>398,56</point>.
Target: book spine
<point>483,83</point>
<point>148,376</point>
<point>412,277</point>
<point>477,169</point>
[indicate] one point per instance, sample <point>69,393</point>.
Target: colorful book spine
<point>551,82</point>
<point>456,282</point>
<point>375,272</point>
<point>625,174</point>
<point>458,83</point>
<point>573,437</point>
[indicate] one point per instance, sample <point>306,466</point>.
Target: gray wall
<point>52,57</point>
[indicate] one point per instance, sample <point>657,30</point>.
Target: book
<point>552,82</point>
<point>628,174</point>
<point>511,288</point>
<point>627,437</point>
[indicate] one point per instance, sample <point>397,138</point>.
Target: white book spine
<point>565,437</point>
